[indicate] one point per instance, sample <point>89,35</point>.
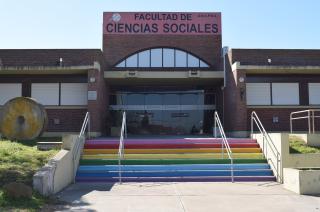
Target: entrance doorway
<point>164,112</point>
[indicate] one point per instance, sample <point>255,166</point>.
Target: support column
<point>235,102</point>
<point>97,100</point>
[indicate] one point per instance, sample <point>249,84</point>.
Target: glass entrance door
<point>169,112</point>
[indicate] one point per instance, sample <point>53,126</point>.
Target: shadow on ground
<point>76,197</point>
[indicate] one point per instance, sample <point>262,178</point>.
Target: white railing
<point>267,143</point>
<point>78,146</point>
<point>311,115</point>
<point>123,134</point>
<point>224,142</point>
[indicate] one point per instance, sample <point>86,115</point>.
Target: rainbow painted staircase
<point>172,160</point>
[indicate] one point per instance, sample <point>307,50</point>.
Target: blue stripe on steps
<point>182,167</point>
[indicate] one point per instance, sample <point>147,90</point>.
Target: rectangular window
<point>45,93</point>
<point>258,94</point>
<point>9,91</point>
<point>156,57</point>
<point>193,61</point>
<point>168,57</point>
<point>285,93</point>
<point>181,59</point>
<point>314,93</point>
<point>203,64</point>
<point>122,64</point>
<point>74,93</point>
<point>132,61</point>
<point>144,59</point>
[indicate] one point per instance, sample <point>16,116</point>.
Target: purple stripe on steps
<point>179,179</point>
<point>165,141</point>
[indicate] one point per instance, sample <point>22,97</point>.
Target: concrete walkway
<point>191,197</point>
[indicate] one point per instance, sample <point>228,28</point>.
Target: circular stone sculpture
<point>22,118</point>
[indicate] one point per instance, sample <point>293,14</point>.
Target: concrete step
<point>167,161</point>
<point>179,179</point>
<point>181,167</point>
<point>169,151</point>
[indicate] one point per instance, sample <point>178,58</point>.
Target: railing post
<point>309,122</point>
<point>263,146</point>
<point>119,166</point>
<point>89,126</point>
<point>291,123</point>
<point>215,125</point>
<point>251,125</point>
<point>277,166</point>
<point>313,121</point>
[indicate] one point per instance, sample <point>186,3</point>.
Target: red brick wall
<point>206,47</point>
<point>98,107</point>
<point>70,120</point>
<point>290,57</point>
<point>266,116</point>
<point>237,116</point>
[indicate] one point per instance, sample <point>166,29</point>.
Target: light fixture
<point>92,79</point>
<point>60,61</point>
<point>269,60</point>
<point>241,79</point>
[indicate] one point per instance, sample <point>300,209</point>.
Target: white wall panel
<point>9,91</point>
<point>45,93</point>
<point>285,93</point>
<point>314,93</point>
<point>258,94</point>
<point>74,93</point>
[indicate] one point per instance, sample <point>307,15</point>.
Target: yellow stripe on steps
<point>169,151</point>
<point>174,156</point>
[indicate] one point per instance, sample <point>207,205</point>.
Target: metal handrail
<point>123,134</point>
<point>267,143</point>
<point>224,143</point>
<point>80,142</point>
<point>310,116</point>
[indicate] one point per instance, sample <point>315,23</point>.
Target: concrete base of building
<point>61,134</point>
<point>238,134</point>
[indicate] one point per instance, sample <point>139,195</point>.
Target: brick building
<point>170,73</point>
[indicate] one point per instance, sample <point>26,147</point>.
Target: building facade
<point>170,73</point>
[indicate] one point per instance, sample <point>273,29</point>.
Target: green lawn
<point>18,162</point>
<point>298,146</point>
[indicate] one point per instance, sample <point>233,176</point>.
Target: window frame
<point>309,96</point>
<point>272,93</point>
<point>19,85</point>
<point>123,63</point>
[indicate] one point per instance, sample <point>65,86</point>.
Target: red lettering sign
<point>162,23</point>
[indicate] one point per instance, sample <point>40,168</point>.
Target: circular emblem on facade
<point>116,17</point>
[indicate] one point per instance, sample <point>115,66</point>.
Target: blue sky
<point>78,23</point>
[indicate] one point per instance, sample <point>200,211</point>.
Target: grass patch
<point>33,204</point>
<point>19,160</point>
<point>298,146</point>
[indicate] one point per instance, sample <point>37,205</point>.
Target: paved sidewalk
<point>191,197</point>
